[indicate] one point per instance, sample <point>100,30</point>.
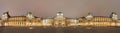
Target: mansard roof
<point>99,19</point>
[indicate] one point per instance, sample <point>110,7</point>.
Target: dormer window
<point>5,16</point>
<point>114,16</point>
<point>89,17</point>
<point>30,16</point>
<point>59,16</point>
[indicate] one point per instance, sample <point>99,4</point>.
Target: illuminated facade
<point>100,20</point>
<point>59,20</point>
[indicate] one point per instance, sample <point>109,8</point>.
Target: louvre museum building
<point>59,20</point>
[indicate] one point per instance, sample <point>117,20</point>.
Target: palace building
<point>59,20</point>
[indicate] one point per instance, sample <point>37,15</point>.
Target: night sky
<point>70,8</point>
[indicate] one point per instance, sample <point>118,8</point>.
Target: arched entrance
<point>60,23</point>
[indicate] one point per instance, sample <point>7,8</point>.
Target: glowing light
<point>45,22</point>
<point>115,17</point>
<point>30,27</point>
<point>30,16</point>
<point>89,17</point>
<point>5,24</point>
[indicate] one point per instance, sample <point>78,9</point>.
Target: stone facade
<point>59,20</point>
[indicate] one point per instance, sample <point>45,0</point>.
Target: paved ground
<point>78,29</point>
